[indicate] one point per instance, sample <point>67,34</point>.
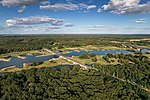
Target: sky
<point>74,17</point>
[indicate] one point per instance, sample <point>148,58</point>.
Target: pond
<point>29,59</point>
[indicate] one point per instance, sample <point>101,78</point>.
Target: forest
<point>124,81</point>
<point>129,79</point>
<point>20,43</point>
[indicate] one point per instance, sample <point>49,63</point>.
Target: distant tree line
<point>36,42</point>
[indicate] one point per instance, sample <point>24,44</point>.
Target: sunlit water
<point>29,59</point>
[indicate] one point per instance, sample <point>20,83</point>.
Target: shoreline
<point>7,68</point>
<point>21,57</point>
<point>6,60</point>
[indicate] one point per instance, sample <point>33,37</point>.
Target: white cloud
<point>91,7</point>
<point>69,25</point>
<point>105,29</point>
<point>34,20</point>
<point>82,6</point>
<point>140,20</point>
<point>137,28</point>
<point>127,7</point>
<point>10,3</point>
<point>97,27</point>
<point>60,7</point>
<point>23,3</point>
<point>68,6</point>
<point>21,10</point>
<point>54,27</point>
<point>44,2</point>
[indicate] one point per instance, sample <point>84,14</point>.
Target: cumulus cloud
<point>69,25</point>
<point>91,7</point>
<point>140,20</point>
<point>54,27</point>
<point>44,2</point>
<point>127,7</point>
<point>10,3</point>
<point>95,27</point>
<point>24,3</point>
<point>82,6</point>
<point>34,20</point>
<point>60,7</point>
<point>68,6</point>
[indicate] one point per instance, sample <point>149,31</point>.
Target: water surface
<point>29,59</point>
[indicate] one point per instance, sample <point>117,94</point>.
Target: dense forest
<point>124,81</point>
<point>129,79</point>
<point>36,42</point>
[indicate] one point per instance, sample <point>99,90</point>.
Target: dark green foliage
<point>106,58</point>
<point>52,61</point>
<point>94,59</point>
<point>137,71</point>
<point>23,55</point>
<point>36,42</point>
<point>92,55</point>
<point>36,63</point>
<point>89,56</point>
<point>67,84</point>
<point>24,43</point>
<point>76,84</point>
<point>84,56</point>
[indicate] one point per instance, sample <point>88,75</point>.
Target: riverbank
<point>6,60</point>
<point>48,63</point>
<point>9,69</point>
<point>23,54</point>
<point>21,57</point>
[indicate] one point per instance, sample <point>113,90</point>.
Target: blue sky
<point>74,17</point>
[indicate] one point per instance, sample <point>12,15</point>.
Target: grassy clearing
<point>19,54</point>
<point>10,69</point>
<point>51,63</point>
<point>91,47</point>
<point>136,40</point>
<point>148,55</point>
<point>100,60</point>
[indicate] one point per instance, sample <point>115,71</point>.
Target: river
<point>29,59</point>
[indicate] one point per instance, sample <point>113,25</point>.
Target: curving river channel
<point>29,59</point>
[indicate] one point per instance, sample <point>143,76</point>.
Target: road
<point>86,67</point>
<point>68,59</point>
<point>129,82</point>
